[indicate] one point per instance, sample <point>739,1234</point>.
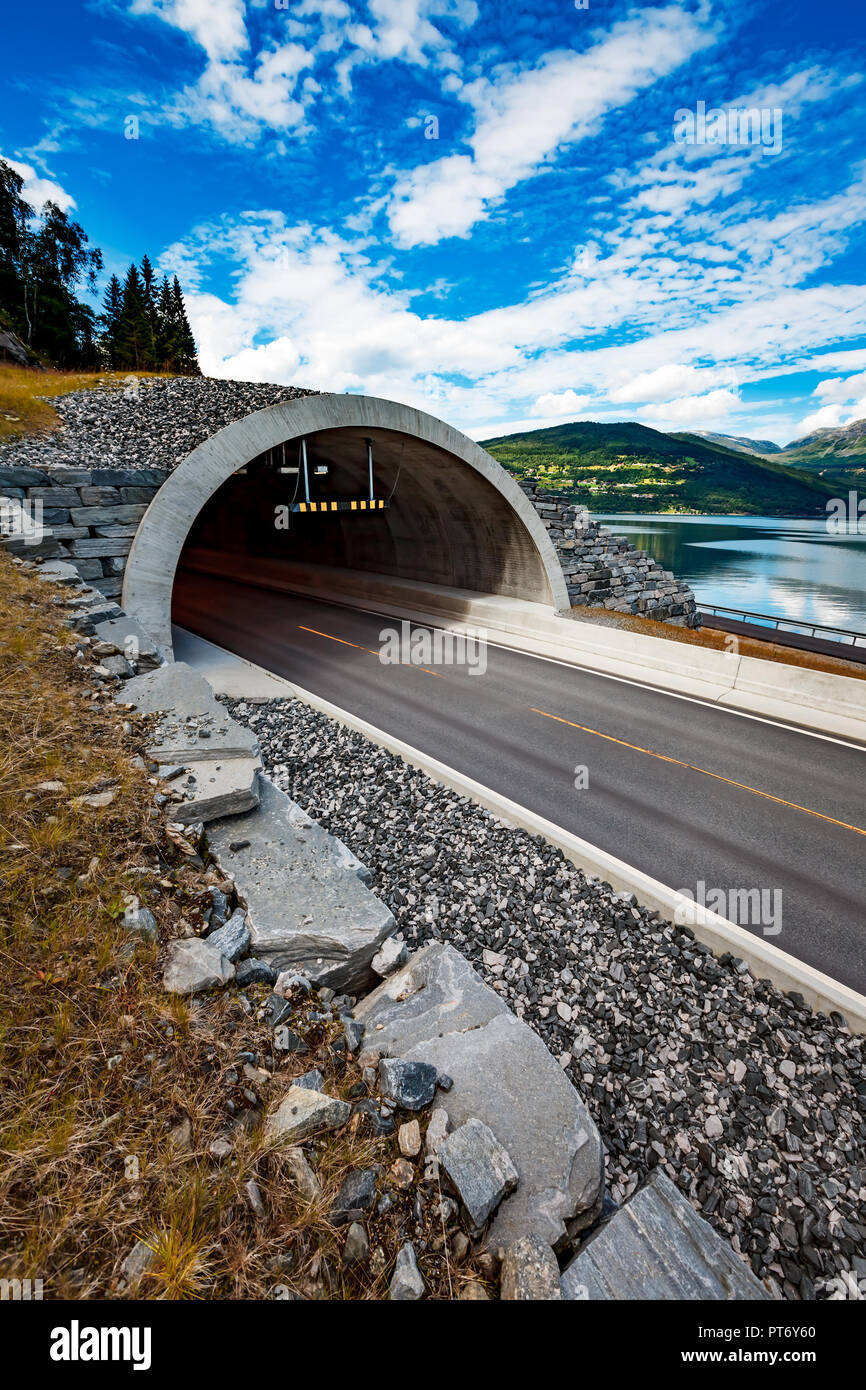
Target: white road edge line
<point>766,961</point>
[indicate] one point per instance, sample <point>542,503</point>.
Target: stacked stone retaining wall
<point>89,516</point>
<point>605,571</point>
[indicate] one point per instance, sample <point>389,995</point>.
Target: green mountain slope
<point>840,451</point>
<point>629,467</point>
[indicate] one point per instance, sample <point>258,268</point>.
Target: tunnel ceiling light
<point>327,505</point>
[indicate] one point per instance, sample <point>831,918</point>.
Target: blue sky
<point>485,210</point>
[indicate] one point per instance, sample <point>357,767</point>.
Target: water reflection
<point>789,569</point>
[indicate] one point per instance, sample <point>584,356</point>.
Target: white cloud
<point>342,322</point>
<point>825,418</point>
<point>834,416</point>
<point>340,326</point>
<point>217,26</point>
<point>244,91</point>
<point>404,29</point>
<point>566,403</point>
<point>662,382</point>
<point>843,389</point>
<point>277,360</point>
<point>239,104</point>
<point>37,189</point>
<point>713,408</point>
<point>846,402</point>
<point>522,119</point>
<point>680,177</point>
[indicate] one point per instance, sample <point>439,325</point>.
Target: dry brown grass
<point>22,407</point>
<point>99,1064</point>
<point>715,640</point>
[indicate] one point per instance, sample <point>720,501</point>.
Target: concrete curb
<point>765,960</point>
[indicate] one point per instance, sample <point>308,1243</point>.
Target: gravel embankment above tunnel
<point>147,424</point>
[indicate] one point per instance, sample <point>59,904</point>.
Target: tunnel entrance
<point>427,518</point>
<point>447,517</point>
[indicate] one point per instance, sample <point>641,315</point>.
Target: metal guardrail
<point>838,634</point>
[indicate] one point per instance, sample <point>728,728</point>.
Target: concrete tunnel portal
<point>444,514</point>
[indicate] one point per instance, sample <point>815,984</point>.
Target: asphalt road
<point>794,828</point>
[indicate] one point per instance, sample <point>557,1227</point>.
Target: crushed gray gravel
<point>150,423</point>
<point>754,1106</point>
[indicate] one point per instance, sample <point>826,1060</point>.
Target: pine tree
<point>133,329</point>
<point>112,306</point>
<point>148,284</point>
<point>143,323</point>
<point>163,328</point>
<point>186,359</point>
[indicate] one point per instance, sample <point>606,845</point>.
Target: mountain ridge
<point>841,448</point>
<point>627,466</point>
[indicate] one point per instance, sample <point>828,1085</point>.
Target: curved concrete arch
<point>156,549</point>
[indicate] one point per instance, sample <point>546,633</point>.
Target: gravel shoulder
<point>753,1105</point>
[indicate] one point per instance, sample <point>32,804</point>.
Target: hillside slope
<point>739,442</point>
<point>840,451</point>
<point>626,467</point>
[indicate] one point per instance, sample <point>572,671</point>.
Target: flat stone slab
<point>309,907</point>
<point>302,1112</point>
<point>59,572</point>
<point>106,516</point>
<point>193,966</point>
<point>221,788</point>
<point>658,1247</point>
<point>437,1009</point>
<point>196,726</point>
<point>479,1167</point>
<point>102,547</point>
<point>130,637</point>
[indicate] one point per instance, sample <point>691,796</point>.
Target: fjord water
<point>774,565</point>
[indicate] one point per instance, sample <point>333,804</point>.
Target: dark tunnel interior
<point>442,523</point>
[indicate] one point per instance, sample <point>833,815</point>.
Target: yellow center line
<point>341,640</point>
<point>344,643</point>
<point>664,758</point>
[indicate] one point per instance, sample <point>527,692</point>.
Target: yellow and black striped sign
<point>363,504</point>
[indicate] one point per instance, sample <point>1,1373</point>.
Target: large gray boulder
<point>437,1009</point>
<point>309,906</point>
<point>130,638</point>
<point>657,1247</point>
<point>11,347</point>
